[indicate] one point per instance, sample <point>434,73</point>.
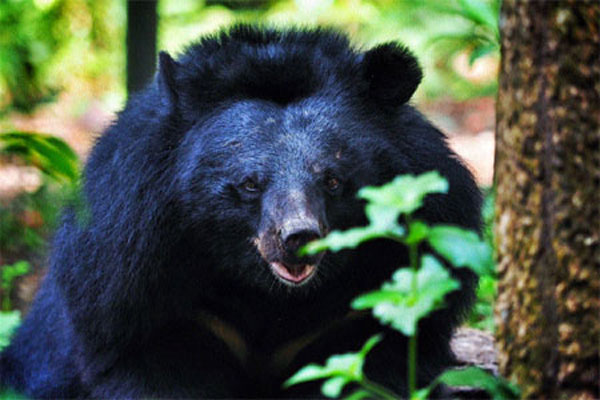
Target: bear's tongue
<point>295,273</point>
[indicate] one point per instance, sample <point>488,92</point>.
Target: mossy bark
<point>548,198</point>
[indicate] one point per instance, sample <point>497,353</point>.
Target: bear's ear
<point>392,73</point>
<point>166,80</point>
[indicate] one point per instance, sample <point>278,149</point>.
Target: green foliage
<point>413,292</point>
<point>385,204</point>
<point>9,321</point>
<point>462,248</point>
<point>50,154</point>
<point>368,22</point>
<point>9,274</point>
<point>475,32</point>
<point>341,370</point>
<point>482,315</point>
<point>28,219</point>
<point>27,42</point>
<point>402,307</point>
<point>483,34</point>
<point>498,388</point>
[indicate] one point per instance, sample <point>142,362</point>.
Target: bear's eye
<point>250,185</point>
<point>333,184</point>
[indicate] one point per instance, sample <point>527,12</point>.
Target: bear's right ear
<point>392,73</point>
<point>166,80</point>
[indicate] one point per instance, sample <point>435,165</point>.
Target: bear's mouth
<point>293,274</point>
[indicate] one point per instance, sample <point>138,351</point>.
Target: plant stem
<point>6,303</point>
<point>412,364</point>
<point>378,390</point>
<point>412,343</point>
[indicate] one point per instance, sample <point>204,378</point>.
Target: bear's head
<point>280,130</point>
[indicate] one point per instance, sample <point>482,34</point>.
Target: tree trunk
<point>141,43</point>
<point>547,179</point>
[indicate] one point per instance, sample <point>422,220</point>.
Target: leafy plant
<point>482,36</point>
<point>28,41</point>
<point>340,370</point>
<point>9,274</point>
<point>482,315</point>
<point>27,220</point>
<point>9,321</point>
<point>414,292</point>
<point>50,154</point>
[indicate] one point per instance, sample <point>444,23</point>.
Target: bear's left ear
<point>392,73</point>
<point>166,80</point>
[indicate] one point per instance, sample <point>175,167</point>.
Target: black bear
<point>183,280</point>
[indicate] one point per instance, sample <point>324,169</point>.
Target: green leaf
<point>481,13</point>
<point>9,321</point>
<point>50,154</point>
<point>402,307</point>
<point>371,299</point>
<point>333,387</point>
<point>310,372</point>
<point>358,395</point>
<point>344,367</point>
<point>497,387</point>
<point>417,231</point>
<point>382,217</point>
<point>351,238</point>
<point>421,394</point>
<point>406,192</point>
<point>481,51</point>
<point>386,203</point>
<point>463,248</point>
<point>369,344</point>
<point>10,272</point>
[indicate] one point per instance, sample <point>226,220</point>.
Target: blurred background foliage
<point>47,46</point>
<point>63,78</point>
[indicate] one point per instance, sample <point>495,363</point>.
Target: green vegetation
<point>49,154</point>
<point>413,293</point>
<point>9,273</point>
<point>77,46</point>
<point>438,31</point>
<point>10,319</point>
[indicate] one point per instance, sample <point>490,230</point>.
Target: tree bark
<point>547,176</point>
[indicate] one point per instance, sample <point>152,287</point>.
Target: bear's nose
<point>296,233</point>
<point>295,240</point>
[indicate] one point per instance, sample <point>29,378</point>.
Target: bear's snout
<point>296,233</point>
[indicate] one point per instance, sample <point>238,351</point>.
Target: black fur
<point>165,289</point>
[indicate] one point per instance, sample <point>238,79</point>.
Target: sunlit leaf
<point>402,307</point>
<point>481,51</point>
<point>310,372</point>
<point>497,387</point>
<point>421,394</point>
<point>463,248</point>
<point>358,395</point>
<point>48,153</point>
<point>406,192</point>
<point>417,231</point>
<point>369,344</point>
<point>480,13</point>
<point>333,387</point>
<point>9,321</point>
<point>340,368</point>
